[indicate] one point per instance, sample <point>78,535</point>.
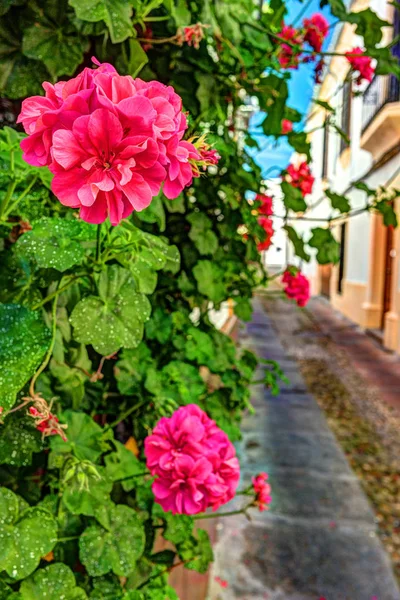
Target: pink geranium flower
<point>300,177</point>
<point>289,54</point>
<point>297,287</point>
<point>268,227</point>
<point>262,491</point>
<point>111,142</point>
<point>287,126</point>
<point>316,29</point>
<point>266,204</point>
<point>193,460</point>
<point>362,63</point>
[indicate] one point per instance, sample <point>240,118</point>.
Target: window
<point>342,257</point>
<point>346,114</point>
<point>325,150</point>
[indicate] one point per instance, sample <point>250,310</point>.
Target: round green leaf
<point>84,437</point>
<point>116,548</point>
<point>27,534</point>
<point>56,582</point>
<point>24,339</point>
<point>57,243</point>
<point>115,318</point>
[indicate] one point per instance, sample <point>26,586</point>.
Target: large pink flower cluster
<point>315,31</point>
<point>301,178</point>
<point>362,63</point>
<point>268,226</point>
<point>297,287</point>
<point>111,142</point>
<point>193,460</point>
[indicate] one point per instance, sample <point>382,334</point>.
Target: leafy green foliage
<point>24,341</point>
<point>27,534</point>
<point>327,246</point>
<point>338,201</point>
<point>54,582</point>
<point>57,243</point>
<point>115,545</point>
<point>115,317</point>
<point>298,243</point>
<point>293,198</point>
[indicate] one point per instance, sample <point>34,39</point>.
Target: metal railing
<point>382,90</point>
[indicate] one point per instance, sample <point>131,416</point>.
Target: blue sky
<point>277,153</point>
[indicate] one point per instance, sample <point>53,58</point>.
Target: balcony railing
<point>382,90</point>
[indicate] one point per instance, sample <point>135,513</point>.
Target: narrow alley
<point>319,539</point>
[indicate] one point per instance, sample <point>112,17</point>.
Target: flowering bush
<point>101,347</point>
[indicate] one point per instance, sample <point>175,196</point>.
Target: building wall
<point>363,271</point>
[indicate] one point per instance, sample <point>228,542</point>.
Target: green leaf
<point>293,198</point>
<point>178,528</point>
<point>297,242</point>
<point>369,26</point>
<point>339,202</point>
<point>122,464</point>
<point>201,233</point>
<point>115,13</point>
<point>26,535</point>
<point>243,309</point>
<point>209,278</point>
<point>18,440</point>
<point>299,142</point>
<point>84,437</point>
<point>115,317</point>
<point>116,548</point>
<point>275,91</point>
<point>55,582</point>
<point>178,380</point>
<point>386,208</point>
<point>57,243</point>
<point>91,498</point>
<point>324,105</point>
<point>327,247</point>
<point>61,53</point>
<point>360,185</point>
<point>107,587</point>
<point>159,326</point>
<point>154,213</point>
<point>137,58</point>
<point>132,367</point>
<point>200,548</point>
<point>338,8</point>
<point>23,343</point>
<point>199,346</point>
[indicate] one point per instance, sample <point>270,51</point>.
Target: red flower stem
<point>49,351</point>
<point>230,513</point>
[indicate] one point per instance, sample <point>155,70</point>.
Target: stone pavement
<point>318,540</point>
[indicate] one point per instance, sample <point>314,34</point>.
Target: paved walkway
<point>318,540</point>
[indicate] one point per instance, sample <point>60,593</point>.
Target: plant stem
<point>126,414</point>
<point>98,242</point>
<point>21,196</point>
<point>56,293</point>
<point>239,511</point>
<point>49,351</point>
<point>7,197</point>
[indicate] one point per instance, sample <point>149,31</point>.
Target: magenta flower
<point>262,491</point>
<point>297,287</point>
<point>316,30</point>
<point>361,62</point>
<point>194,462</point>
<point>111,142</point>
